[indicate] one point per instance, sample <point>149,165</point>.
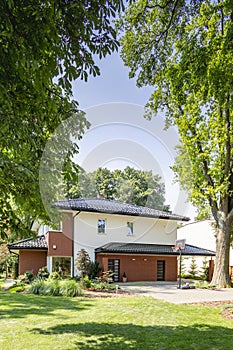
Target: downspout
<point>72,273</point>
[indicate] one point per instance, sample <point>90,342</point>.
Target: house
<point>202,233</point>
<point>122,237</point>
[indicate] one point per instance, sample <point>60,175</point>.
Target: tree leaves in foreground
<point>44,46</point>
<point>184,49</point>
<point>130,185</point>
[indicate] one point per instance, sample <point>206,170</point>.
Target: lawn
<point>36,322</point>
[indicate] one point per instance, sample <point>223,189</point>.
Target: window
<point>129,228</point>
<point>61,265</point>
<point>101,226</point>
<point>114,266</point>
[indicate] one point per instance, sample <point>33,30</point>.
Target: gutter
<point>72,272</point>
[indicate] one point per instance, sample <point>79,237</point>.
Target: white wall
<point>200,234</point>
<point>145,230</point>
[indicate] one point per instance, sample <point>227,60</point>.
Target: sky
<point>120,135</point>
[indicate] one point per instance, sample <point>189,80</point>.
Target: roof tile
<point>30,243</point>
<point>144,248</point>
<point>115,207</point>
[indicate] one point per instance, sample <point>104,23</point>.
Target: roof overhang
<point>101,205</point>
<point>150,249</point>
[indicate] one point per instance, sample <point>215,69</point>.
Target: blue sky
<point>120,135</point>
<point>113,85</point>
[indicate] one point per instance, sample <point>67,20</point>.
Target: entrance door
<point>114,266</point>
<point>160,270</point>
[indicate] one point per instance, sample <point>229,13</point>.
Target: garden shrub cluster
<point>55,285</point>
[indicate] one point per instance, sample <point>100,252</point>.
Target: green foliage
<point>36,287</point>
<point>193,268</point>
<point>82,262</point>
<point>205,270</point>
<point>184,50</point>
<point>26,278</point>
<point>55,287</point>
<point>43,273</point>
<point>94,268</point>
<point>45,45</point>
<point>70,288</point>
<point>129,185</point>
<point>55,276</point>
<point>106,277</point>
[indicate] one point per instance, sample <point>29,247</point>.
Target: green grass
<point>43,322</point>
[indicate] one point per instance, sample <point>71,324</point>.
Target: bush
<point>86,282</point>
<point>94,268</point>
<point>52,288</point>
<point>70,288</point>
<point>27,278</point>
<point>55,287</point>
<point>37,287</point>
<point>55,276</point>
<point>43,273</point>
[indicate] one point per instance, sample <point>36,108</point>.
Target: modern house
<point>122,237</point>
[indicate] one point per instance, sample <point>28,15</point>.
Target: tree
<point>130,185</point>
<point>45,45</point>
<point>193,268</point>
<point>184,49</point>
<point>82,262</point>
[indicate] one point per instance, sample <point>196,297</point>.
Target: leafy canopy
<point>44,46</point>
<point>130,185</point>
<point>184,49</point>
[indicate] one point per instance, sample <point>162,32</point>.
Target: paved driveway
<point>169,292</point>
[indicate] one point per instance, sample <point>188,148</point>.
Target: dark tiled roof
<point>114,207</point>
<point>30,243</point>
<point>144,248</point>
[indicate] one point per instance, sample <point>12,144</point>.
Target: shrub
<point>52,288</point>
<point>70,288</point>
<point>37,287</point>
<point>27,278</point>
<point>43,273</point>
<point>86,283</point>
<point>55,276</point>
<point>94,268</point>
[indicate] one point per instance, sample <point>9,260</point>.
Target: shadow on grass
<point>21,305</point>
<point>105,336</point>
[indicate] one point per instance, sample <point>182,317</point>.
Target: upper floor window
<point>129,228</point>
<point>101,226</point>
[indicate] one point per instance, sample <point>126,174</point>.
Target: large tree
<point>184,49</point>
<point>44,46</point>
<point>130,185</point>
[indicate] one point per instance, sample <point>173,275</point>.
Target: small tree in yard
<point>193,269</point>
<point>82,262</point>
<point>205,270</point>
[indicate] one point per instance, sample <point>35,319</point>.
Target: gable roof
<point>146,248</point>
<point>38,243</point>
<point>101,205</point>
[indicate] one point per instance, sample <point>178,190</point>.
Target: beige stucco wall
<point>146,230</point>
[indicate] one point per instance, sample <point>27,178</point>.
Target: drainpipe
<point>72,272</point>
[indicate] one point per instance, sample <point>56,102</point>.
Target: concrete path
<point>169,292</point>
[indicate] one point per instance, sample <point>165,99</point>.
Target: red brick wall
<point>67,225</point>
<point>59,244</point>
<point>31,260</point>
<point>141,267</point>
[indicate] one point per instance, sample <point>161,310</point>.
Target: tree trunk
<point>221,276</point>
